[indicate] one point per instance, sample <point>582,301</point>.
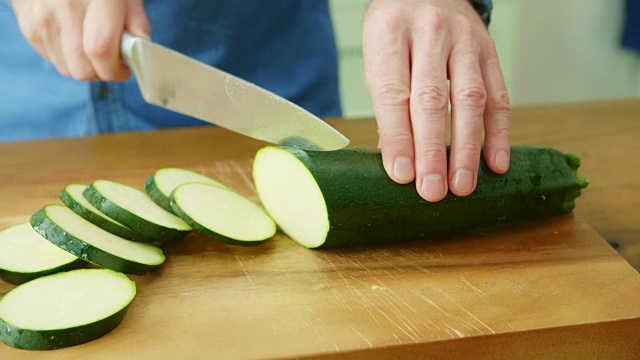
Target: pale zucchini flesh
<point>69,231</point>
<point>136,210</point>
<point>26,255</point>
<point>64,309</point>
<point>222,214</point>
<point>161,184</point>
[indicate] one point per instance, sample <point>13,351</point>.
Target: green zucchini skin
<point>156,195</point>
<point>366,207</point>
<point>87,252</point>
<point>114,228</point>
<point>147,229</point>
<point>17,278</point>
<point>56,339</point>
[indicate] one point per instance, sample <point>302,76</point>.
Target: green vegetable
<point>222,214</point>
<point>161,184</point>
<point>72,196</point>
<point>345,198</point>
<point>26,255</point>
<point>70,232</point>
<point>136,210</point>
<point>64,309</point>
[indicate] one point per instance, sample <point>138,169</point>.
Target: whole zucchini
<point>345,198</point>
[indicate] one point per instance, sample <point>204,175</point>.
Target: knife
<point>176,82</point>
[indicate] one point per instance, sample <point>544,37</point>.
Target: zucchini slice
<point>345,198</point>
<point>72,233</point>
<point>72,196</point>
<point>133,208</point>
<point>222,214</point>
<point>161,184</point>
<point>64,309</point>
<point>26,255</point>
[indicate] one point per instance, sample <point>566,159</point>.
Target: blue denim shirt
<point>286,46</point>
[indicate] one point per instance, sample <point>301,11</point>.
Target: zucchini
<point>72,196</point>
<point>65,309</point>
<point>72,233</point>
<point>133,208</point>
<point>161,184</point>
<point>222,214</point>
<point>345,198</point>
<point>26,255</point>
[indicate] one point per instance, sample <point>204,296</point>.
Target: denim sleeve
<point>484,8</point>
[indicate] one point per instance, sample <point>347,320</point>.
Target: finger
<point>29,24</point>
<point>71,20</point>
<point>136,21</point>
<point>468,98</point>
<point>386,58</point>
<point>497,114</point>
<point>50,35</point>
<point>429,106</point>
<point>103,25</point>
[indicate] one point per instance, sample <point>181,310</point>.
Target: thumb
<point>136,21</point>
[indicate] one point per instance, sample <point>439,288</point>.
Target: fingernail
<point>403,169</point>
<point>433,187</point>
<point>463,181</point>
<point>502,160</point>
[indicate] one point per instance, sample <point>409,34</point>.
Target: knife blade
<point>176,82</point>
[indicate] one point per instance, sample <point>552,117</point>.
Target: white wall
<point>551,51</point>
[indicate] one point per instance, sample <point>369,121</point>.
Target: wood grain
<point>543,289</point>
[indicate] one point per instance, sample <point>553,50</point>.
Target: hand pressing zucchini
<point>344,197</point>
<point>70,232</point>
<point>26,255</point>
<point>72,196</point>
<point>64,309</point>
<point>161,184</point>
<point>136,210</point>
<point>222,214</point>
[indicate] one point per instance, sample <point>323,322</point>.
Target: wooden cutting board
<point>551,288</point>
<point>546,289</point>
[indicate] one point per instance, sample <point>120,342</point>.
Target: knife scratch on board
<point>465,310</point>
<point>475,288</point>
<point>244,269</point>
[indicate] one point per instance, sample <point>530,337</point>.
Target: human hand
<point>82,37</point>
<point>411,48</point>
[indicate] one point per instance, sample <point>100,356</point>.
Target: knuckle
<point>500,102</point>
<point>435,21</point>
<point>468,150</point>
<point>501,133</point>
<point>392,94</point>
<point>431,153</point>
<point>472,95</point>
<point>68,6</point>
<point>430,98</point>
<point>396,138</point>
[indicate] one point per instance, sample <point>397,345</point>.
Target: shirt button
<point>102,91</point>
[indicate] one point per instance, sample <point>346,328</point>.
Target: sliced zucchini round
<point>161,184</point>
<point>133,208</point>
<point>64,309</point>
<point>70,232</point>
<point>26,255</point>
<point>292,196</point>
<point>222,214</point>
<point>72,196</point>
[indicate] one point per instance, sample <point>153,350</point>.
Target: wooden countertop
<point>544,289</point>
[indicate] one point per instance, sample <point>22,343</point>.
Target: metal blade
<point>176,82</point>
